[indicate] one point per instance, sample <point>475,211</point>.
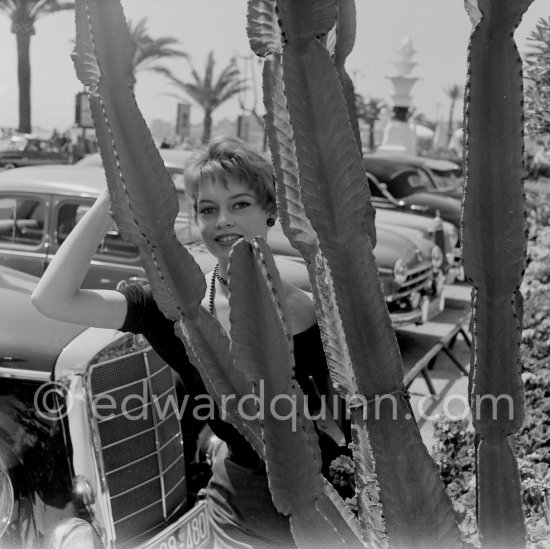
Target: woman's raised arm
<point>58,294</point>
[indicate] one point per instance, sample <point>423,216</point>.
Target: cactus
<point>325,209</point>
<point>494,248</point>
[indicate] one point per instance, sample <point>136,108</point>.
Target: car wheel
<point>9,166</point>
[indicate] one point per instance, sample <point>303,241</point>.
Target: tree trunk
<point>450,127</point>
<point>207,126</point>
<point>24,78</point>
<point>371,136</point>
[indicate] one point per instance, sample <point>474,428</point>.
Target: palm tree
<point>23,15</point>
<point>454,93</point>
<point>210,92</point>
<point>369,112</point>
<point>148,51</point>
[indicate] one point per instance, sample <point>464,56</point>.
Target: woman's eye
<point>206,210</point>
<point>240,205</point>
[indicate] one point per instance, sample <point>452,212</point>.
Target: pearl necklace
<point>215,276</point>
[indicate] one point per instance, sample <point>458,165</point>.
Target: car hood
<point>389,246</point>
<point>449,208</point>
<point>385,217</point>
<point>28,340</point>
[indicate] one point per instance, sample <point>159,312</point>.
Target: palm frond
<point>41,8</point>
<point>148,50</point>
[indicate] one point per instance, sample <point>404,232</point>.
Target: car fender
<point>449,208</point>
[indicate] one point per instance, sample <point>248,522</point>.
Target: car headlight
<point>6,501</point>
<point>73,533</point>
<point>400,271</point>
<point>436,255</point>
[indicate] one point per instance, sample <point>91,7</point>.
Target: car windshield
<point>407,182</point>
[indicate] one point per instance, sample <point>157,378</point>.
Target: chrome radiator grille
<point>417,279</point>
<point>140,443</point>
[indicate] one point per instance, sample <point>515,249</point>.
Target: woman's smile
<point>227,239</point>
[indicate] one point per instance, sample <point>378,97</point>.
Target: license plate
<point>191,532</point>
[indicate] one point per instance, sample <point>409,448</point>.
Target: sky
<point>439,30</point>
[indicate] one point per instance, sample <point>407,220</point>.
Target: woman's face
<point>227,213</point>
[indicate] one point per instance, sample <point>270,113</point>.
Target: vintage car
<point>387,176</point>
<point>415,227</point>
<point>437,175</point>
<point>27,150</point>
<point>404,186</point>
<point>40,206</point>
<point>91,454</point>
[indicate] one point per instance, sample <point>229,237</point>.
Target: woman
<point>231,189</point>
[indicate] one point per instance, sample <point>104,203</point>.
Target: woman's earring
<point>270,222</point>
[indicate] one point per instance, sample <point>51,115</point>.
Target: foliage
<point>147,51</point>
<point>23,15</point>
<point>369,111</point>
<point>210,92</point>
<point>454,93</point>
<point>537,80</point>
<point>29,11</point>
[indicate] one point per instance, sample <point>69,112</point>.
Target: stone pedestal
<point>398,137</point>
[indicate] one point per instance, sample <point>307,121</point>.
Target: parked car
<point>39,207</point>
<point>403,185</point>
<point>438,175</point>
<point>400,186</point>
<point>26,150</point>
<point>75,469</point>
<point>409,187</point>
<point>415,227</point>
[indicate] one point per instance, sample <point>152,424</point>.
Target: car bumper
<point>428,309</point>
<point>427,305</point>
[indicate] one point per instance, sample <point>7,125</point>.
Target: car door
<point>115,259</point>
<point>32,153</point>
<point>24,231</point>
